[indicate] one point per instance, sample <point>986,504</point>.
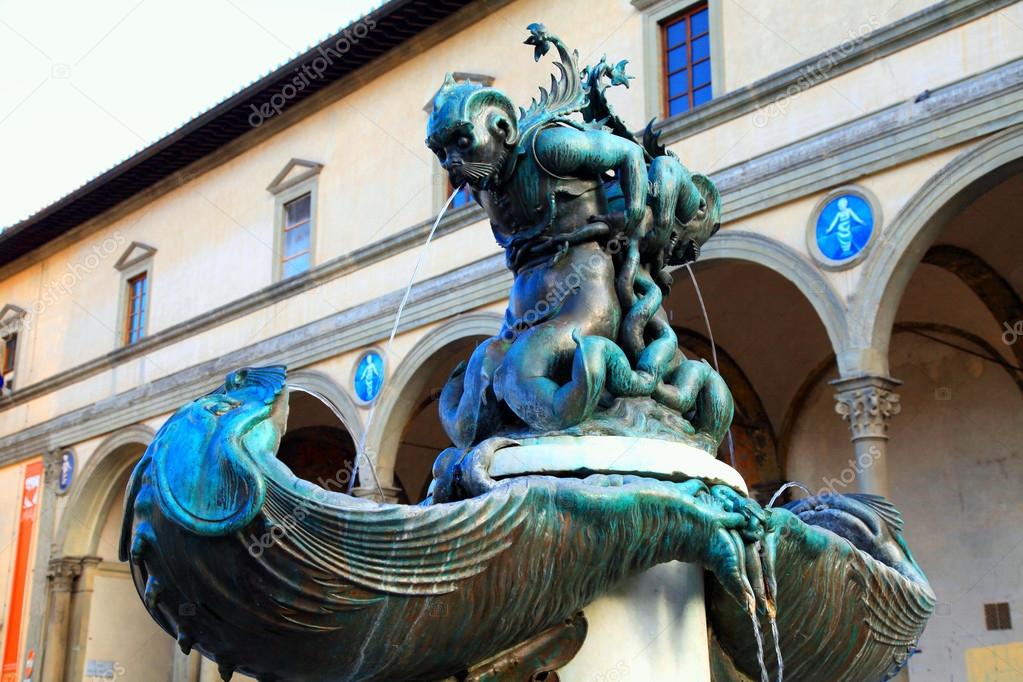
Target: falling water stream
<point>387,349</point>
<point>731,445</point>
<point>777,649</point>
<point>760,647</point>
<point>757,633</point>
<point>790,484</point>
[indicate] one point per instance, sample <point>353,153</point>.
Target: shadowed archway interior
<point>316,446</point>
<point>423,437</point>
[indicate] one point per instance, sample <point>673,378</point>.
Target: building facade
<point>863,294</point>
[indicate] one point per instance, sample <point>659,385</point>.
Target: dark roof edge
<point>13,242</point>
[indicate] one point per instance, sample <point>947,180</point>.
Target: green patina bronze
<point>278,578</point>
<point>590,218</point>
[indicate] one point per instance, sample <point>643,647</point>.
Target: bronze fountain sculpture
<point>528,520</point>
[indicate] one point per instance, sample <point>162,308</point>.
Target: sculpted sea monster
<point>276,577</point>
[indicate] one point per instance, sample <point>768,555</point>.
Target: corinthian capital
<point>62,572</point>
<point>867,404</point>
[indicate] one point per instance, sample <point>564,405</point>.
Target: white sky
<point>84,85</point>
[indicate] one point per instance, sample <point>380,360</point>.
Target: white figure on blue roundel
<point>67,471</point>
<point>844,227</point>
<point>369,376</point>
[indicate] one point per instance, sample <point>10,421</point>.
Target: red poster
<point>31,493</point>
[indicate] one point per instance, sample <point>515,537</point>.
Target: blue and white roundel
<point>844,227</point>
<point>369,376</point>
<point>67,471</point>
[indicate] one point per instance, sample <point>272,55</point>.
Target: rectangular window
<point>997,616</point>
<point>8,349</point>
<point>685,41</point>
<point>296,251</point>
<point>136,308</point>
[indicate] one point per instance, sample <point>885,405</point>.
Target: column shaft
<point>868,403</point>
<point>62,575</point>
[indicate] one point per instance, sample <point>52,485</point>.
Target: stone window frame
<point>654,13</point>
<point>285,190</point>
<point>12,321</point>
<point>136,260</point>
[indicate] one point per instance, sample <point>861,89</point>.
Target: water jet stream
<point>713,353</point>
<point>361,452</point>
<point>790,484</point>
<point>731,456</point>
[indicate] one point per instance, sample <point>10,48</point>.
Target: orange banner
<point>31,494</point>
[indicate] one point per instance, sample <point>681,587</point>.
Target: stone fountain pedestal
<point>653,626</point>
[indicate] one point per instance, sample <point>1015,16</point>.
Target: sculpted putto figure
<point>276,577</point>
<point>589,218</point>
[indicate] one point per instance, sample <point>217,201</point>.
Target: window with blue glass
<point>686,44</point>
<point>296,254</point>
<point>137,308</point>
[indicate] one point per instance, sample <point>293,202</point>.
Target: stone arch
<point>397,400</point>
<point>329,391</point>
<point>888,270</point>
<point>82,520</point>
<point>987,284</point>
<point>751,428</point>
<point>790,264</point>
<point>322,430</point>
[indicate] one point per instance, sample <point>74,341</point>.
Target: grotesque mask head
<point>471,130</point>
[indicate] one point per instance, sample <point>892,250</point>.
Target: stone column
<point>81,606</point>
<point>61,576</point>
<point>41,581</point>
<point>867,403</point>
<point>185,667</point>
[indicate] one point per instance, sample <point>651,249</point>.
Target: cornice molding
<point>882,42</point>
<point>281,181</point>
<point>436,299</point>
<point>974,107</point>
<point>133,255</point>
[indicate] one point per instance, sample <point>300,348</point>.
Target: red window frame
<point>9,348</point>
<point>685,18</point>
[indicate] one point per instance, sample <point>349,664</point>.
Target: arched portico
<point>81,521</point>
<point>889,268</point>
<point>795,267</point>
<point>322,430</point>
<point>401,396</point>
<point>85,558</point>
<point>324,388</point>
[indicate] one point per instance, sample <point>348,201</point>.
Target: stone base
<point>652,627</point>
